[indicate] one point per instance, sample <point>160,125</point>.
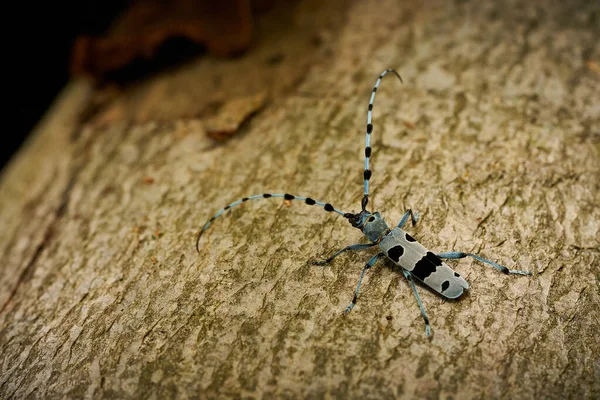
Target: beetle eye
<point>371,218</point>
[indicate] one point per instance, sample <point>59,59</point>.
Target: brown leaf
<point>223,27</point>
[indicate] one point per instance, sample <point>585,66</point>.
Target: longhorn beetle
<point>415,260</point>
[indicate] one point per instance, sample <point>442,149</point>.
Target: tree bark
<point>493,138</point>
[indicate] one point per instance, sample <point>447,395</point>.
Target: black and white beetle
<point>413,258</point>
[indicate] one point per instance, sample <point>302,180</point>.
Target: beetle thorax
<point>375,227</point>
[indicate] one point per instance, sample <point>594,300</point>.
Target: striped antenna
<point>307,200</point>
<point>367,172</point>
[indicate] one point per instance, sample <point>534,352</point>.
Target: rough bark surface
<point>494,138</point>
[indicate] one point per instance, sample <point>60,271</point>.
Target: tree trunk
<point>493,138</point>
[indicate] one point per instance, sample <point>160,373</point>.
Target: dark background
<point>40,38</point>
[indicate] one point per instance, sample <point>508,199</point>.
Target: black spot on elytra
<point>371,218</point>
<point>426,266</point>
<point>367,174</point>
<point>309,201</point>
<point>395,253</point>
<point>445,285</point>
<point>410,238</point>
<point>433,259</point>
<point>328,207</point>
<point>266,195</point>
<point>289,197</point>
<point>456,275</point>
